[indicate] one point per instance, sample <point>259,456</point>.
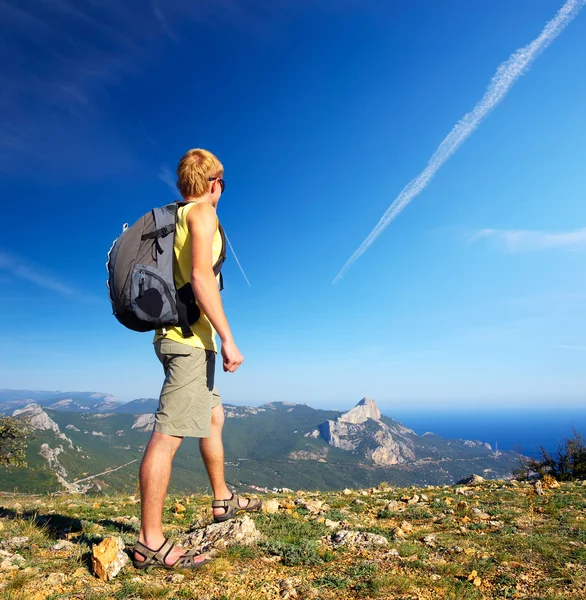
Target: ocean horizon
<point>521,430</point>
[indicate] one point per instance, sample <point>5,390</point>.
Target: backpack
<point>141,282</point>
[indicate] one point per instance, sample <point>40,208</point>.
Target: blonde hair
<point>194,171</point>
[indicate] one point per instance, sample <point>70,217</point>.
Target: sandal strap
<point>164,550</point>
<point>225,503</point>
<point>153,556</point>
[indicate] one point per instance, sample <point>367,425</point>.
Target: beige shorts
<point>188,394</point>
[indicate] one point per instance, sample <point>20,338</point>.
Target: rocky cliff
<point>362,428</point>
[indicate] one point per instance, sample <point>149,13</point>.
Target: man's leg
<point>155,473</point>
<point>212,453</point>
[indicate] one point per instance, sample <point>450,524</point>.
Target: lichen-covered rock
<point>358,539</point>
<point>219,536</point>
<point>108,558</point>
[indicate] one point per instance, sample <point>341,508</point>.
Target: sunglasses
<point>222,182</point>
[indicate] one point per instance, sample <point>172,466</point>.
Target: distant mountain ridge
<point>273,445</point>
<point>11,400</point>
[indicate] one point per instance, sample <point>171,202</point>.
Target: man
<point>189,405</point>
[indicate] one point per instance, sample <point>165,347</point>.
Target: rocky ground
<point>480,540</point>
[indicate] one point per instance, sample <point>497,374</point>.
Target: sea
<point>523,431</point>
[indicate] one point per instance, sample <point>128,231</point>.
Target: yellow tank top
<point>204,334</point>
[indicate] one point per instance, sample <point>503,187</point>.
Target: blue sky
<point>321,113</point>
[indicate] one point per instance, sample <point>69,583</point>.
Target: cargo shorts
<point>188,394</point>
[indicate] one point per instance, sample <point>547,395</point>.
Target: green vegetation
<point>14,434</point>
<point>567,464</point>
<point>530,547</point>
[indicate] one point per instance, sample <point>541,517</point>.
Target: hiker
<point>189,404</point>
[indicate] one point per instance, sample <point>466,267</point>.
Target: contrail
<point>506,75</point>
<point>237,261</point>
<point>166,176</point>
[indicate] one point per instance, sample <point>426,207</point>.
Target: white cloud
<point>166,176</point>
<point>19,268</point>
<point>520,240</point>
<point>506,75</point>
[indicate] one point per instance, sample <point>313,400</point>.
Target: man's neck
<point>205,198</point>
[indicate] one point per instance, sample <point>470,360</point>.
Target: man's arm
<point>202,223</point>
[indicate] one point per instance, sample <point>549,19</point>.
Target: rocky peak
<point>38,418</point>
<point>383,444</point>
<point>144,422</point>
<point>364,410</point>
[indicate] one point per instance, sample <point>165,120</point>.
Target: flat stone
<point>62,545</point>
<point>476,512</point>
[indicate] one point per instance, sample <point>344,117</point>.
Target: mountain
<point>275,445</point>
<point>11,400</point>
<point>138,406</point>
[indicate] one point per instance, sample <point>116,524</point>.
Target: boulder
<point>108,558</point>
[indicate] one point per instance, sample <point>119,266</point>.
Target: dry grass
<point>529,546</point>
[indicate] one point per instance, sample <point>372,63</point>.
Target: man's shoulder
<point>201,214</point>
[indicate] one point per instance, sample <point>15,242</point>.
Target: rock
<point>463,505</point>
<point>108,558</point>
<point>270,506</point>
<point>456,550</point>
<point>424,498</point>
<point>359,501</point>
<point>223,535</point>
<point>177,578</point>
<point>398,533</point>
<point>471,480</point>
<point>359,539</point>
<point>539,488</point>
<point>514,483</point>
<point>332,524</point>
<point>15,542</point>
<point>406,526</point>
<point>429,540</point>
<point>550,482</point>
<point>584,483</point>
<point>462,491</point>
<point>179,508</point>
<point>347,492</point>
<point>62,545</point>
<point>413,500</point>
<point>476,512</point>
<point>435,577</point>
<point>313,506</point>
<point>287,589</point>
<point>9,561</point>
<point>393,506</point>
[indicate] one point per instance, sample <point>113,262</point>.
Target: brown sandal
<point>233,508</point>
<point>156,558</point>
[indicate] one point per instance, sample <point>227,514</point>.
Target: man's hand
<point>231,355</point>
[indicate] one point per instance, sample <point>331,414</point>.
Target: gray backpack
<point>141,283</point>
